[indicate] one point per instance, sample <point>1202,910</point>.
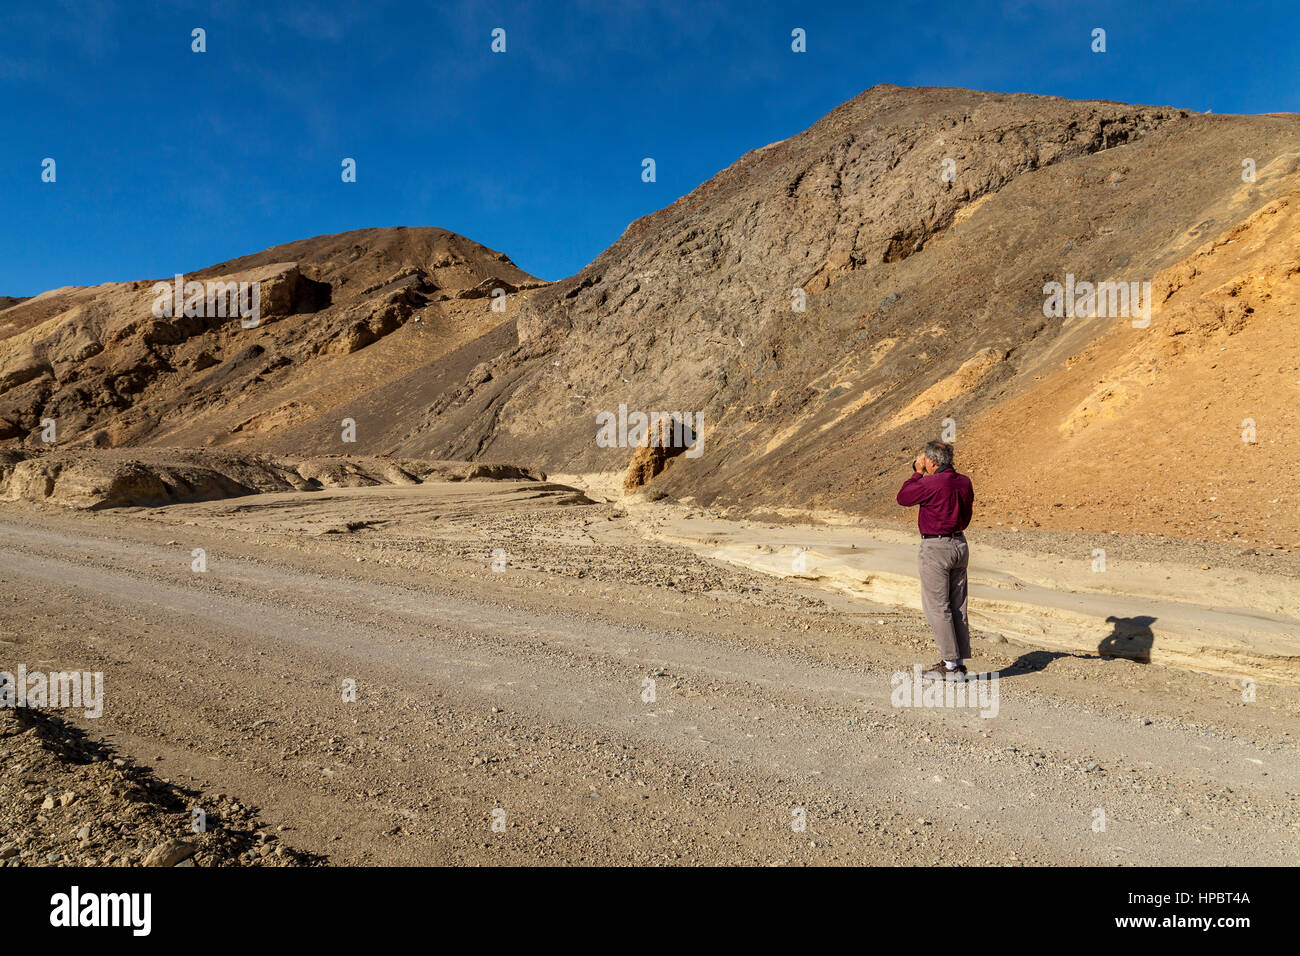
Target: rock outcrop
<point>96,479</point>
<point>108,370</point>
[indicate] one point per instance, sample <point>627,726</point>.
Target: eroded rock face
<point>121,364</point>
<point>86,480</point>
<point>116,478</point>
<point>664,442</point>
<point>23,365</point>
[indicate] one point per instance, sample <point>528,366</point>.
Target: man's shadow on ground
<point>1130,638</point>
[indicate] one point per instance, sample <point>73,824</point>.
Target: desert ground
<point>502,633</point>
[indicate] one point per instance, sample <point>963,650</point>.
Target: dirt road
<point>522,695</point>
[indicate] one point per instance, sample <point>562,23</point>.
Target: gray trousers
<point>942,564</point>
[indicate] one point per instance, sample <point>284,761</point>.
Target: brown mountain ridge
<point>920,226</point>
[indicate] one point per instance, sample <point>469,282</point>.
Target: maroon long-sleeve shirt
<point>946,499</point>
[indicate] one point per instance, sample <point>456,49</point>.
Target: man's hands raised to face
<point>921,464</point>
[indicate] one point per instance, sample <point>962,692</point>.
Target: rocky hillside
<point>923,226</point>
<point>339,317</point>
<point>819,309</point>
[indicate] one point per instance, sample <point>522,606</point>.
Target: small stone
<point>48,803</point>
<point>169,853</point>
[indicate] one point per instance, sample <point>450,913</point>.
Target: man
<point>946,499</point>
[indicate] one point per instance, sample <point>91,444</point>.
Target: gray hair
<point>939,452</point>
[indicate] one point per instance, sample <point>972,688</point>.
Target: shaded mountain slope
<point>925,302</point>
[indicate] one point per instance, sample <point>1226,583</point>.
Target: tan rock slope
<point>341,316</point>
<point>1189,426</point>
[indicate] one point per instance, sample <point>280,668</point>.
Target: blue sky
<point>170,160</point>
